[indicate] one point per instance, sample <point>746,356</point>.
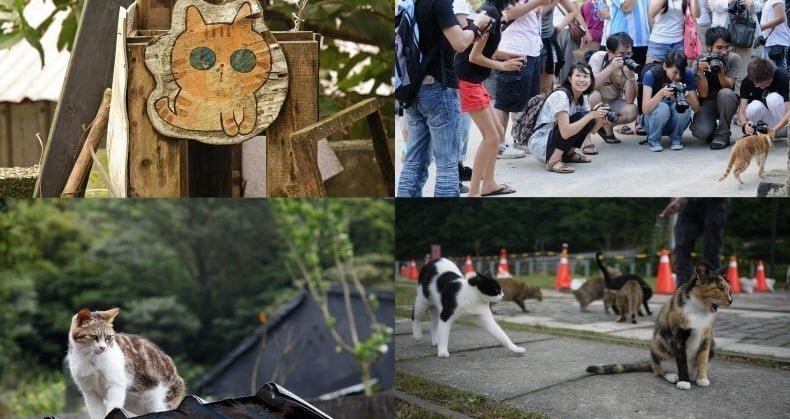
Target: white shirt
<point>719,15</point>
<point>668,27</point>
<point>461,7</point>
<point>779,34</point>
<point>554,104</point>
<point>522,36</point>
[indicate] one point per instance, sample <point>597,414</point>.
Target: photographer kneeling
<point>615,82</point>
<point>716,76</point>
<point>668,92</point>
<point>565,121</point>
<point>765,96</point>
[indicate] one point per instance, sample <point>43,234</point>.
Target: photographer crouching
<point>716,75</point>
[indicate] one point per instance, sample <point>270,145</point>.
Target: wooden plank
<point>6,145</point>
<point>118,125</point>
<point>299,110</point>
<point>305,159</point>
<point>26,150</point>
<point>154,14</point>
<point>82,166</point>
<point>384,158</point>
<point>335,123</point>
<point>158,165</point>
<point>90,72</point>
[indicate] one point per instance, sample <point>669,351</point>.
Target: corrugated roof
<point>21,74</point>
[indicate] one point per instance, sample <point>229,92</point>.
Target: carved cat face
<point>220,59</point>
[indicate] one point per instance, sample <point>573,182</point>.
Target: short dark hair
<point>719,32</point>
<point>616,39</point>
<point>676,58</point>
<point>760,70</point>
<point>584,68</point>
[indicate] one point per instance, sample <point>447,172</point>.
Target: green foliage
<point>163,320</point>
<point>35,396</point>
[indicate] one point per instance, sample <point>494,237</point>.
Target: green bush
<point>43,395</point>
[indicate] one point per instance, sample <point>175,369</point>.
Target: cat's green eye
<point>108,338</point>
<point>243,60</point>
<point>202,58</point>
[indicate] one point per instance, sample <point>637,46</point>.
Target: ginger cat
<point>754,146</point>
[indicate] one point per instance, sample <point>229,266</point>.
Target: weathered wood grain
<point>118,125</point>
<point>82,165</point>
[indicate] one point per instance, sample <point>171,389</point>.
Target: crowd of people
<point>484,61</point>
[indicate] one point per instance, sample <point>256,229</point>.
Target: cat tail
<point>729,167</point>
<point>645,366</point>
<point>599,259</point>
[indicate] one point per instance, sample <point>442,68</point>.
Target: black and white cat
<point>447,294</point>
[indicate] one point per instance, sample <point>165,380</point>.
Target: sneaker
<point>522,147</point>
<point>464,188</point>
<point>506,151</point>
<point>655,147</point>
<point>676,146</point>
<point>464,173</point>
<point>719,143</point>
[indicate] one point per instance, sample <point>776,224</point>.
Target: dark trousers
<point>557,142</point>
<point>699,216</point>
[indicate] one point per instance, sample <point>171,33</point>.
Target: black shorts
<point>512,88</point>
<point>553,58</point>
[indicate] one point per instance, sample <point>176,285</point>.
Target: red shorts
<point>474,96</point>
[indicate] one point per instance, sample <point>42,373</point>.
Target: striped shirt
<point>634,23</point>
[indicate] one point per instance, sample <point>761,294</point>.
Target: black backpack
<point>410,63</point>
<point>657,67</point>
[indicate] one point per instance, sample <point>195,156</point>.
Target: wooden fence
<point>19,123</point>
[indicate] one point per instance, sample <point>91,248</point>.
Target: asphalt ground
<point>627,169</point>
<point>550,377</point>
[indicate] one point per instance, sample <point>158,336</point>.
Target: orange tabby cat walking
<point>754,146</point>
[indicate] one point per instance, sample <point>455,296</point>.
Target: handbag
<point>577,33</point>
<point>691,44</point>
<point>743,28</point>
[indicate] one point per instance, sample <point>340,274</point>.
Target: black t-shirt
<point>474,73</point>
<point>432,16</point>
<point>780,84</point>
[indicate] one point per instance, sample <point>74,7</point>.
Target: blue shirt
<point>691,83</point>
<point>634,23</point>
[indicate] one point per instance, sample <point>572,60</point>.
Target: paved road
<point>626,169</point>
<point>550,378</point>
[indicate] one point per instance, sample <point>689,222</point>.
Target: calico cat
<point>517,292</point>
<point>447,294</point>
<point>119,370</point>
<point>683,336</point>
<point>218,68</point>
<point>752,147</point>
<point>617,282</point>
<point>628,299</point>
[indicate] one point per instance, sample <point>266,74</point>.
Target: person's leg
<point>547,67</point>
<point>442,118</point>
<point>776,110</point>
<point>464,123</point>
<point>726,107</point>
<point>756,111</point>
<point>679,122</point>
<point>417,159</point>
<point>654,124</point>
<point>716,210</point>
<point>703,125</point>
<point>687,227</point>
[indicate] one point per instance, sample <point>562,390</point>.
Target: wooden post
<point>300,109</point>
<point>83,164</point>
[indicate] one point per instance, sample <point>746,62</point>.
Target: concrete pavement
<point>550,377</point>
<point>625,169</point>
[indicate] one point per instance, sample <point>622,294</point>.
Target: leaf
<point>68,32</point>
<point>42,28</point>
<point>32,38</point>
<point>8,40</point>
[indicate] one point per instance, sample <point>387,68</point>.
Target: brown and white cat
<point>628,299</point>
<point>683,336</point>
<point>218,67</point>
<point>517,292</point>
<point>119,370</point>
<point>755,147</point>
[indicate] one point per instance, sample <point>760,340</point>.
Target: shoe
<point>522,147</point>
<point>676,146</point>
<point>464,173</point>
<point>655,147</point>
<point>463,188</point>
<point>503,190</point>
<point>719,143</point>
<point>508,152</point>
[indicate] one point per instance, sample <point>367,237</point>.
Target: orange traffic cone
<point>404,270</point>
<point>469,267</point>
<point>732,275</point>
<point>761,285</point>
<point>664,282</point>
<point>413,274</point>
<point>503,271</point>
<point>563,280</point>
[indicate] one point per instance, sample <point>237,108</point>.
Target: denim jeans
<point>666,120</point>
<point>780,59</point>
<point>464,124</point>
<point>433,121</point>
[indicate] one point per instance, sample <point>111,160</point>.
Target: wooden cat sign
<point>221,77</point>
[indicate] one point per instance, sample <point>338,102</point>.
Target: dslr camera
<point>761,127</point>
<point>715,61</point>
<point>611,115</point>
<point>679,88</point>
<point>760,40</point>
<point>628,61</point>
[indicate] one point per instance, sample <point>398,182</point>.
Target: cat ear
<point>195,20</point>
<point>244,13</point>
<point>108,315</point>
<point>83,315</point>
<point>702,271</point>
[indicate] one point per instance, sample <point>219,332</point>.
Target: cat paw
<point>518,349</point>
<point>444,354</point>
<point>684,385</point>
<point>703,382</point>
<point>671,377</point>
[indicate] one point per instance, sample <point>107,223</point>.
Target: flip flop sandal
<point>589,150</point>
<point>503,190</point>
<point>575,158</point>
<point>626,130</point>
<point>556,166</point>
<point>611,139</point>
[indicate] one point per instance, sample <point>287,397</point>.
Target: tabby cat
<point>683,335</point>
<point>119,370</point>
<point>447,294</point>
<point>617,282</point>
<point>628,299</point>
<point>517,292</point>
<point>218,67</point>
<point>752,147</point>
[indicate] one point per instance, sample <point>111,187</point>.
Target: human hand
<point>748,129</point>
<point>703,67</point>
<point>673,207</point>
<point>599,111</point>
<point>667,91</point>
<point>514,64</point>
<point>617,62</point>
<point>482,20</point>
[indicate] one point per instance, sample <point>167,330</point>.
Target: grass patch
<point>406,410</point>
<point>461,401</point>
<point>38,396</point>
